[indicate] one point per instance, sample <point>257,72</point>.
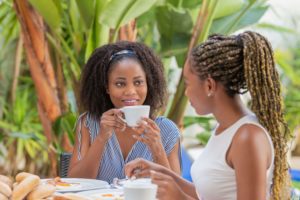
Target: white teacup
<point>140,189</point>
<point>133,114</point>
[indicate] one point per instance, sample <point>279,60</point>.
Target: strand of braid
<point>245,63</point>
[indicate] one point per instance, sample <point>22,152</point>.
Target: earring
<point>209,94</point>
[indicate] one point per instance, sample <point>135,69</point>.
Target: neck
<point>230,110</point>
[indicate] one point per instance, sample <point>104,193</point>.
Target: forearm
<point>187,187</point>
<point>89,166</point>
<point>159,156</point>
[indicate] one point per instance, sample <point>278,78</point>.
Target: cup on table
<point>140,189</point>
<point>133,114</point>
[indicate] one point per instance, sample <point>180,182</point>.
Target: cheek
<point>144,91</point>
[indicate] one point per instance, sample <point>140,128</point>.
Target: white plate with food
<point>75,184</point>
<point>104,194</point>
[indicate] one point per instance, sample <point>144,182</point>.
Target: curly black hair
<point>94,79</point>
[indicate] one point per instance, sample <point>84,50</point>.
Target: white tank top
<point>214,179</point>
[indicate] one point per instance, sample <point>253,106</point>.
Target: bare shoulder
<point>250,135</point>
<point>252,144</point>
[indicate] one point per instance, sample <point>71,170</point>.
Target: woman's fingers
<point>137,167</point>
<point>151,123</point>
<point>158,176</point>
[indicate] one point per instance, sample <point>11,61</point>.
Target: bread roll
<point>24,187</point>
<point>6,180</point>
<point>22,175</point>
<point>3,197</point>
<point>5,189</point>
<point>42,191</point>
<point>15,184</point>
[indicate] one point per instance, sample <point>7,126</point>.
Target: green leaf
<point>247,16</point>
<point>175,30</point>
<point>87,11</point>
<point>228,7</point>
<point>275,27</point>
<point>65,124</point>
<point>117,14</point>
<point>184,3</point>
<point>49,11</point>
<point>29,149</point>
<point>202,121</point>
<point>98,34</point>
<point>203,137</point>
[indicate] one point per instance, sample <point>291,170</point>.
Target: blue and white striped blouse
<point>112,162</point>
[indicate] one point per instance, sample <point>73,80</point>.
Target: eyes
<point>137,83</point>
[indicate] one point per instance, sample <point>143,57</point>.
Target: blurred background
<point>45,44</point>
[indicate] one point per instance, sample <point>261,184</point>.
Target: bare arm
<point>173,159</point>
<point>144,167</point>
<point>250,156</point>
<point>90,155</point>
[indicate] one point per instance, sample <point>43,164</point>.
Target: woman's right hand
<point>141,168</point>
<point>111,120</point>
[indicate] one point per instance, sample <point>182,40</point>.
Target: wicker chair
<point>64,164</point>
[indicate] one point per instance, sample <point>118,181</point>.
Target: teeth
<point>130,101</point>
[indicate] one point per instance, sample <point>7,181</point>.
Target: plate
<point>104,194</point>
<point>78,184</point>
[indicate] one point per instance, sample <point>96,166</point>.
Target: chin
<point>201,112</point>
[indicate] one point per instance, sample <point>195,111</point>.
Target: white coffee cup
<point>133,114</point>
<point>140,189</point>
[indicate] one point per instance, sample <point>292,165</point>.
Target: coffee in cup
<point>133,114</point>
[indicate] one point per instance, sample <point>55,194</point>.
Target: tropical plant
<point>59,36</point>
<point>21,131</point>
<point>289,62</point>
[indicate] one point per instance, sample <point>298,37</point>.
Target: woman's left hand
<point>149,133</point>
<point>167,187</point>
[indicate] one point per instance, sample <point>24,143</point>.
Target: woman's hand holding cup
<point>111,120</point>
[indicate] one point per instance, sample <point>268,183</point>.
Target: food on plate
<point>15,184</point>
<point>60,184</point>
<point>3,197</point>
<point>25,187</point>
<point>108,196</point>
<point>5,189</point>
<point>42,191</point>
<point>6,180</point>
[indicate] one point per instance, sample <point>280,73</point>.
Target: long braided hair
<point>245,63</point>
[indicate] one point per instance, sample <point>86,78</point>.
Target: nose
<point>130,90</point>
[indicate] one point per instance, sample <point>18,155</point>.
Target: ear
<point>210,86</point>
<point>107,91</point>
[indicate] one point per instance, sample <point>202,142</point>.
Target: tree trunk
<point>128,32</point>
<point>41,69</point>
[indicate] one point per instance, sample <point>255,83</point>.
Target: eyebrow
<point>123,78</point>
<point>137,77</point>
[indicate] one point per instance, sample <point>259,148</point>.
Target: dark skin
<point>249,154</point>
<point>127,86</point>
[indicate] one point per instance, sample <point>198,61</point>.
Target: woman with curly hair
<point>245,157</point>
<point>117,75</point>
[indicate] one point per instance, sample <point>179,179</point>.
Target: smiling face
<point>127,84</point>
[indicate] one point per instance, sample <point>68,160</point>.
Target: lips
<point>130,102</point>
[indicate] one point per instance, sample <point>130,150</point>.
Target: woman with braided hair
<point>245,157</point>
<point>117,75</point>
